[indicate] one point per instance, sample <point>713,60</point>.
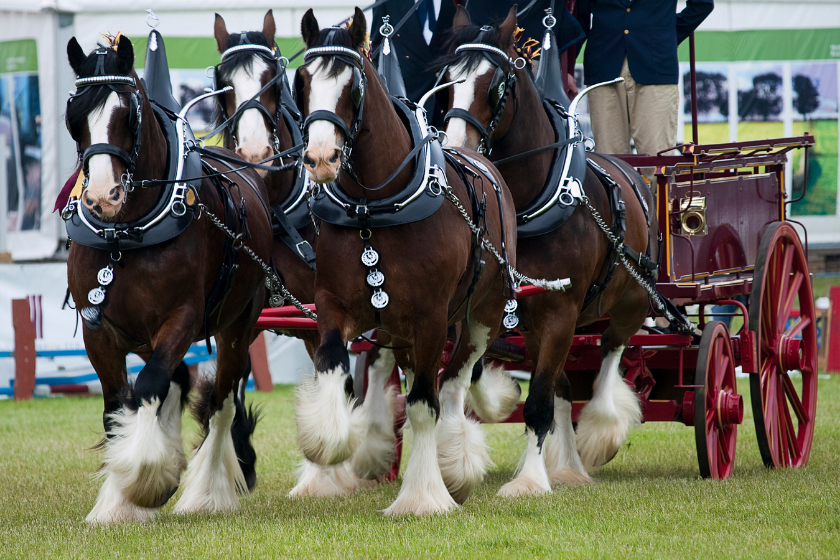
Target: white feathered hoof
<point>144,458</point>
<point>494,396</point>
<point>421,504</point>
<point>524,485</point>
<point>377,449</point>
<point>328,427</point>
<point>603,426</point>
<point>462,455</point>
<point>569,477</point>
<point>112,507</point>
<point>315,481</point>
<point>214,478</point>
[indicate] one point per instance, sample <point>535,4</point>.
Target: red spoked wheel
<point>360,381</point>
<point>784,391</point>
<point>718,408</point>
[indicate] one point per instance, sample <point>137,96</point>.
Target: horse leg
<point>614,410</point>
<point>493,394</point>
<point>462,451</point>
<point>328,426</point>
<point>218,468</point>
<point>561,456</point>
<point>144,453</point>
<point>111,504</point>
<point>532,477</point>
<point>423,491</point>
<point>375,453</point>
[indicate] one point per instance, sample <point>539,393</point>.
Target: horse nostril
<point>115,196</point>
<point>98,209</point>
<point>308,161</point>
<point>334,158</point>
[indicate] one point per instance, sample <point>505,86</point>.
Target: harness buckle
<point>297,247</point>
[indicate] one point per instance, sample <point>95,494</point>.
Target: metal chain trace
<point>271,275</point>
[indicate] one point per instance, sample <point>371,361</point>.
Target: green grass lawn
<point>648,502</point>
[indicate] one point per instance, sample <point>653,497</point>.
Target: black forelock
<point>468,34</point>
<point>92,98</point>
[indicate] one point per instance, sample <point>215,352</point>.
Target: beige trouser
<point>647,113</point>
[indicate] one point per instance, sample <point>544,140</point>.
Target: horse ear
<point>125,55</point>
<point>358,29</point>
<point>309,28</point>
<point>462,18</point>
<point>269,28</point>
<point>507,29</point>
<point>75,55</point>
<point>221,33</point>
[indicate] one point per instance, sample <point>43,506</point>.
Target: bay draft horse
<point>155,306</point>
<point>428,268</point>
<point>258,133</point>
<point>578,250</point>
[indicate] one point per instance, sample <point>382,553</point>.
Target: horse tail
<point>245,422</point>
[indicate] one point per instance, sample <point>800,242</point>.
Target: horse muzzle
<point>104,203</point>
<point>322,163</point>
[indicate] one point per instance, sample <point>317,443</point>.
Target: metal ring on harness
<point>362,233</point>
<point>178,208</point>
<point>566,198</point>
<point>517,61</point>
<point>549,20</point>
<point>238,241</point>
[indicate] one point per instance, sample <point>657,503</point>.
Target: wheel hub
<point>730,409</point>
<point>790,353</point>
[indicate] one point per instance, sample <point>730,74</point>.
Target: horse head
<point>104,118</point>
<point>485,59</point>
<point>330,89</point>
<point>250,60</point>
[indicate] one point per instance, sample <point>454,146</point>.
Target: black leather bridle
<point>358,90</point>
<point>272,58</point>
<point>503,76</point>
<point>135,119</point>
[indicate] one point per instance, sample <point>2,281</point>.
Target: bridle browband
<point>509,84</point>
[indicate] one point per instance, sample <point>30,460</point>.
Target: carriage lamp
<point>693,216</point>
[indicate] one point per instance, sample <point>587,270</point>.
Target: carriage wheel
<point>784,405</point>
<point>360,380</point>
<point>718,408</point>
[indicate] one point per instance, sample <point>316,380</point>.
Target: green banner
<point>201,52</point>
<point>775,44</point>
<point>18,56</point>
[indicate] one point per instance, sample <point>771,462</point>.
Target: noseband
<point>272,58</point>
<point>501,86</point>
<point>358,89</point>
<point>134,119</point>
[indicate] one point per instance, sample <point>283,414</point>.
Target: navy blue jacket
<point>647,32</point>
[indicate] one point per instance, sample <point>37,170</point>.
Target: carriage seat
<point>156,76</point>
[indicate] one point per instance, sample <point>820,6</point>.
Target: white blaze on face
<point>100,167</point>
<point>464,95</point>
<point>251,133</point>
<point>324,138</point>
